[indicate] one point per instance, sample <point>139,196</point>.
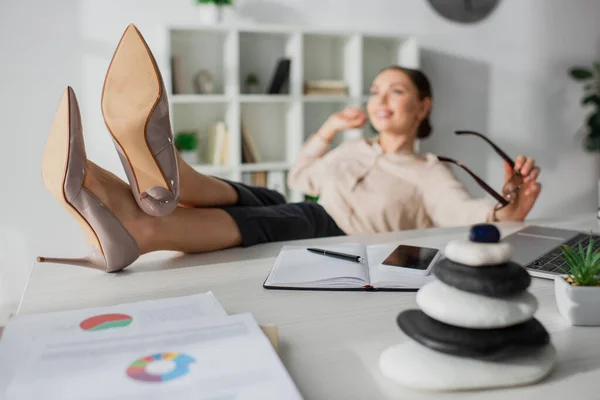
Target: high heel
<point>63,172</point>
<point>136,112</point>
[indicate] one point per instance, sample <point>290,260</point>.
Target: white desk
<point>329,341</point>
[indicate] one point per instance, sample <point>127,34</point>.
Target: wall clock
<point>464,11</point>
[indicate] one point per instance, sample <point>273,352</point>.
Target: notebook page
<point>386,276</point>
<point>295,265</point>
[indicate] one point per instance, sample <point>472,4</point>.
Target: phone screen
<point>411,257</point>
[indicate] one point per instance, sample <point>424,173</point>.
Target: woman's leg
<point>189,230</point>
<point>198,190</point>
<point>197,230</point>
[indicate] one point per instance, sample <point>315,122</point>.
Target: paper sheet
<point>23,332</point>
<point>219,358</point>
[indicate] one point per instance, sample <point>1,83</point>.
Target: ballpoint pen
<point>335,254</point>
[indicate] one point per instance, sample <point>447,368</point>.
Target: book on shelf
<point>280,77</point>
<point>250,152</point>
<point>216,151</point>
<point>178,82</point>
<point>259,178</point>
<point>298,268</point>
<point>326,87</point>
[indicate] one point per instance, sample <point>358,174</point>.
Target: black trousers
<point>262,216</point>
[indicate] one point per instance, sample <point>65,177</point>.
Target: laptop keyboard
<point>553,261</point>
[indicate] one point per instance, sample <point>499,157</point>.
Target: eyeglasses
<point>510,188</point>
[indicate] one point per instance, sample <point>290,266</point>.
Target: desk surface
<point>329,341</point>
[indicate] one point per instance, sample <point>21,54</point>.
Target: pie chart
<point>170,366</point>
<point>106,321</point>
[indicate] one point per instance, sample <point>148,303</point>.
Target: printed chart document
<point>184,348</point>
<point>297,268</point>
<point>219,358</point>
<point>22,331</point>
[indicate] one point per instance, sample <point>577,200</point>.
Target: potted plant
<point>578,291</point>
<point>252,84</point>
<point>186,144</point>
<point>212,10</point>
<point>590,77</point>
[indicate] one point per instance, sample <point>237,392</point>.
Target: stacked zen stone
<point>475,328</point>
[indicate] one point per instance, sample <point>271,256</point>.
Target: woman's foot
<point>136,112</point>
<point>117,197</point>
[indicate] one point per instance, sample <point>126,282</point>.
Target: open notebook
<point>297,268</point>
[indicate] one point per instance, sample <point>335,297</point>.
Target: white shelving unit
<point>279,124</point>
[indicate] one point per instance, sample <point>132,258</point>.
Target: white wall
<point>505,77</point>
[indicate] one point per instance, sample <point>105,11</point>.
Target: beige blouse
<point>367,191</point>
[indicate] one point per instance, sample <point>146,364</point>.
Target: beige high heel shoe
<point>63,172</point>
<point>136,112</point>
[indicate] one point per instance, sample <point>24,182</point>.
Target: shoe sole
<point>128,100</point>
<point>56,161</point>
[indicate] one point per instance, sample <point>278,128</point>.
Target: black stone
<point>474,343</point>
<point>484,233</point>
<point>495,280</point>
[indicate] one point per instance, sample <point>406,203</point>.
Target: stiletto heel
<point>63,173</point>
<point>80,262</point>
<point>136,112</point>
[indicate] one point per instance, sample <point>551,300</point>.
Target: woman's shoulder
<point>435,168</point>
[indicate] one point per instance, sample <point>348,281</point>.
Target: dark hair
<point>424,87</point>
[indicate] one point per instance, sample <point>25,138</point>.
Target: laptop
<point>537,248</point>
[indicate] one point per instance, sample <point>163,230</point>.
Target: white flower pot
<point>210,13</point>
<point>579,305</point>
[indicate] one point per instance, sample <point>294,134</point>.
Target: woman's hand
<point>527,194</point>
<point>348,118</point>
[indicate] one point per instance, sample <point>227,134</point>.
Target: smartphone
<point>413,259</point>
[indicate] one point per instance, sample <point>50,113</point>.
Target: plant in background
<point>186,141</point>
<point>215,2</point>
<point>583,266</point>
<point>252,79</point>
<point>252,83</point>
<point>591,79</point>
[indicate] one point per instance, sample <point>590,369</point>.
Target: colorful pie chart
<point>139,369</point>
<point>106,321</point>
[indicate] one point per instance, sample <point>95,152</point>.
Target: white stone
<point>470,310</point>
<point>477,254</point>
<point>418,367</point>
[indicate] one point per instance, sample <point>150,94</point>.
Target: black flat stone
<point>495,280</point>
<point>474,343</point>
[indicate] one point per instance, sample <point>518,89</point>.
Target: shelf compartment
<point>201,119</point>
<point>193,51</point>
<point>260,53</point>
<point>332,58</point>
<point>266,124</point>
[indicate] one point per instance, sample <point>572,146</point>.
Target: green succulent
<point>217,2</point>
<point>583,266</point>
<point>252,79</point>
<point>186,141</point>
